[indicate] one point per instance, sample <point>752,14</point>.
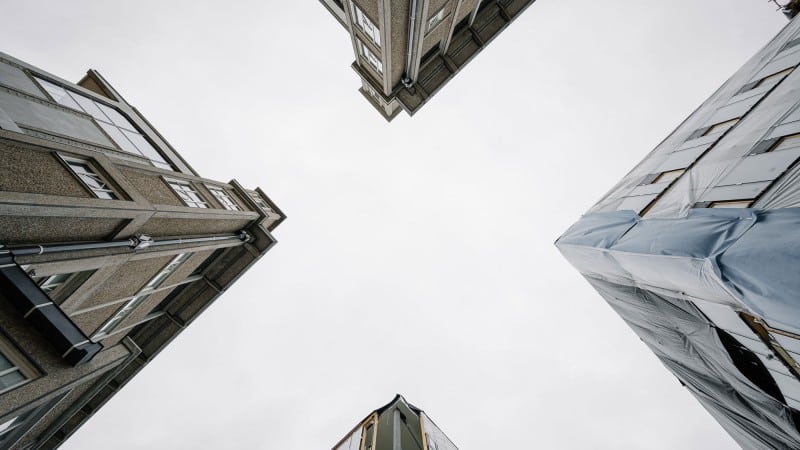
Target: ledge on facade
<point>492,19</point>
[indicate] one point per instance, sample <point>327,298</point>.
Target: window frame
<point>96,174</point>
<point>112,324</point>
<point>191,203</point>
<point>439,16</point>
<point>361,19</point>
<point>224,199</point>
<point>19,363</point>
<point>366,53</point>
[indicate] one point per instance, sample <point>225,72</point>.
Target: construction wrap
<point>760,104</point>
<point>435,438</point>
<point>656,273</point>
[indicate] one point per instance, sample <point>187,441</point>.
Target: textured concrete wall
<point>55,229</point>
<point>56,373</point>
<point>151,186</point>
<point>172,227</point>
<point>47,420</point>
<point>466,9</point>
<point>26,168</point>
<point>125,281</point>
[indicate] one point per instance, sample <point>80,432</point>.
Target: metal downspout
<point>134,243</point>
<point>412,21</point>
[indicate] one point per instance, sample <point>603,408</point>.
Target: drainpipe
<point>46,317</point>
<point>134,243</point>
<point>412,20</point>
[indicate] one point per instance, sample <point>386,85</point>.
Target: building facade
<point>697,248</point>
<point>407,50</point>
<point>110,245</point>
<point>397,425</point>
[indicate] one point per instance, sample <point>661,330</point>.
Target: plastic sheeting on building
<point>654,271</point>
<point>763,98</point>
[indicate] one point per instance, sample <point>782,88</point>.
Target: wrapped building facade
<point>697,248</point>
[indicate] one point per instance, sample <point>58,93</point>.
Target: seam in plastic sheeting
<point>744,258</point>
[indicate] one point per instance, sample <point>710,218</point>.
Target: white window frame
<point>371,58</point>
<point>113,323</point>
<point>186,191</point>
<point>51,283</point>
<point>436,19</point>
<point>223,198</point>
<point>365,24</point>
<point>89,177</point>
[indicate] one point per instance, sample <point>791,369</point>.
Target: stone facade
<point>444,35</point>
<point>110,245</point>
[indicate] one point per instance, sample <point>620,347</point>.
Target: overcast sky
<point>418,256</point>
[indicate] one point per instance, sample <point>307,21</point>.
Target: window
<point>366,25</point>
<point>774,78</point>
<point>436,19</point>
<point>369,56</point>
<point>790,141</point>
<point>731,204</point>
<point>369,433</point>
<point>53,282</point>
<point>187,193</point>
<point>668,176</point>
<point>10,425</point>
<point>11,430</point>
<point>721,127</point>
<point>117,126</point>
<point>83,169</point>
<point>224,199</point>
<point>259,201</point>
<point>61,285</point>
<point>263,204</point>
<point>769,80</point>
<point>10,375</point>
<point>14,369</point>
<point>776,144</point>
<point>143,294</point>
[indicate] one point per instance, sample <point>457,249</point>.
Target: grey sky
<point>417,257</point>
